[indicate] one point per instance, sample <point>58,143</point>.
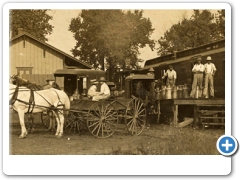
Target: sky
<point>161,20</point>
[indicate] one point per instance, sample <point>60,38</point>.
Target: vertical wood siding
<point>32,56</point>
<point>40,79</point>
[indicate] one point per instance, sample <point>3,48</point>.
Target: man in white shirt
<point>93,89</point>
<point>171,76</point>
<point>198,70</point>
<point>210,71</point>
<point>105,91</point>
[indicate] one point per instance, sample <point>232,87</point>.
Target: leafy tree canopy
<point>111,36</point>
<point>201,28</point>
<point>34,22</point>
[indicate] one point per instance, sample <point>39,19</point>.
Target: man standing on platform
<point>210,71</point>
<point>198,70</point>
<point>171,76</point>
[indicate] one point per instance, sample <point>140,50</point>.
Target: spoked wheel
<point>75,122</point>
<point>102,119</point>
<point>135,116</point>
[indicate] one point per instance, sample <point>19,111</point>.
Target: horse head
<point>13,79</point>
<point>17,80</point>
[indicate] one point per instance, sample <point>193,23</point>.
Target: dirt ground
<point>159,139</point>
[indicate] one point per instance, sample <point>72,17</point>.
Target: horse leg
<point>59,131</point>
<point>31,121</point>
<point>22,124</point>
<point>61,121</point>
<point>51,120</point>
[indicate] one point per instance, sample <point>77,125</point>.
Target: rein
<point>14,96</point>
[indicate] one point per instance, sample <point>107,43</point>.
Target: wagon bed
<point>102,117</point>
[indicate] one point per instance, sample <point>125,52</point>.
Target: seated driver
<point>105,91</point>
<point>92,91</point>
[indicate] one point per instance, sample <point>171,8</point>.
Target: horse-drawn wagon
<point>102,117</point>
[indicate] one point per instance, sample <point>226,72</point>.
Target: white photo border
<point>120,164</point>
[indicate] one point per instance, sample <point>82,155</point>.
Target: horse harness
<point>31,104</point>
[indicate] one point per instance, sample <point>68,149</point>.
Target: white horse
<point>53,99</point>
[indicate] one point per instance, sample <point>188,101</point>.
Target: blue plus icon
<point>227,145</point>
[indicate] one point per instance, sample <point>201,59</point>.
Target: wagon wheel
<point>75,122</point>
<point>102,119</point>
<point>135,116</point>
<point>46,120</point>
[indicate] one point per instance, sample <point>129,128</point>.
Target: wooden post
<point>175,115</point>
<point>158,111</point>
<point>196,120</point>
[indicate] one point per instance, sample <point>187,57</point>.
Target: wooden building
<point>175,110</point>
<point>183,62</point>
<point>36,60</point>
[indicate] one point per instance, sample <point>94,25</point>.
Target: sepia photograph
<point>116,81</point>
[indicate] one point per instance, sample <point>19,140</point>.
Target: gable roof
<point>52,47</point>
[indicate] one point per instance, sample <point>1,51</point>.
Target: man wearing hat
<point>171,76</point>
<point>49,84</point>
<point>92,91</point>
<point>104,92</point>
<point>151,72</point>
<point>198,70</point>
<point>210,70</point>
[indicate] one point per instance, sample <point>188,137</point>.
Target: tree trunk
<point>101,57</point>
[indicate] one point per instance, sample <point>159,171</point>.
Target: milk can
<point>76,95</point>
<point>169,92</point>
<point>163,92</point>
<point>174,92</point>
<point>180,91</point>
<point>185,91</point>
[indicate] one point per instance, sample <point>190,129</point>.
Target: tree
<point>220,20</point>
<point>110,37</point>
<point>34,22</point>
<point>189,33</point>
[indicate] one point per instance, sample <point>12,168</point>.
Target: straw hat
<point>102,79</point>
<point>47,80</point>
<point>94,81</point>
<point>151,69</point>
<point>209,58</point>
<point>199,59</point>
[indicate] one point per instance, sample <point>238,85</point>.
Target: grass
<point>158,140</point>
<point>178,141</point>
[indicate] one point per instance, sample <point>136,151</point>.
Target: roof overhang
<point>186,58</point>
<point>139,76</point>
<point>80,72</point>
